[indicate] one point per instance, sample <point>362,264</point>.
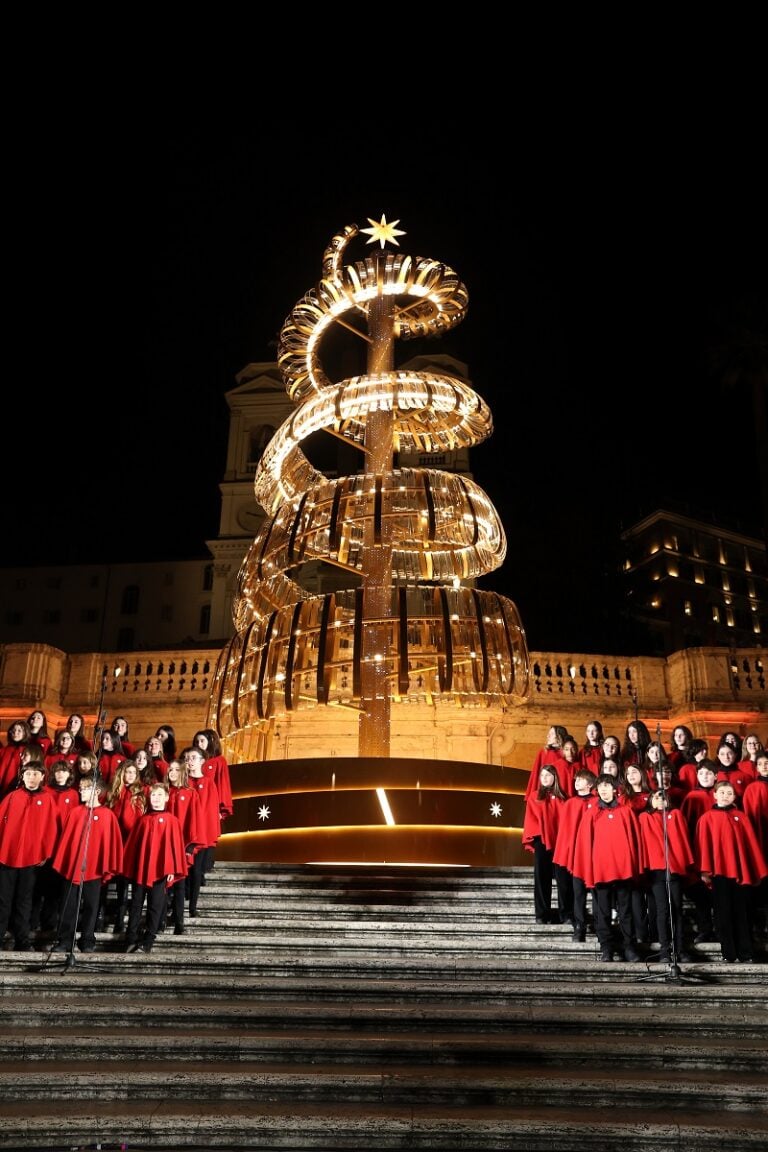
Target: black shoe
<point>134,947</point>
<point>146,946</point>
<point>192,912</point>
<point>632,955</point>
<point>705,938</point>
<point>24,946</point>
<point>729,959</point>
<point>61,947</point>
<point>539,920</point>
<point>579,936</point>
<point>87,947</point>
<point>606,955</point>
<point>179,930</point>
<point>687,958</point>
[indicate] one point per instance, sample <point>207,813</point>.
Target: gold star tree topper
<point>382,231</point>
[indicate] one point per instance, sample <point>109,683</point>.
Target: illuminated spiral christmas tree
<point>411,624</point>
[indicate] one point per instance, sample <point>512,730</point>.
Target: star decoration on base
<point>495,809</point>
<point>263,812</point>
<point>382,231</point>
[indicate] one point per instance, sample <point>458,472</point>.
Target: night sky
<point>591,313</point>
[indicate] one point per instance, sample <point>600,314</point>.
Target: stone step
<point>306,1009</point>
<point>69,1042</point>
<point>447,1084</point>
<point>227,988</point>
<point>225,1125</point>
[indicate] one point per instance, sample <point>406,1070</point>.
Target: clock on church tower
<point>250,518</point>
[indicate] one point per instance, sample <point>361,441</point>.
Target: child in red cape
<point>153,861</point>
<point>88,855</point>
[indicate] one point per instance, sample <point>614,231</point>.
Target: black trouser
<point>175,903</point>
<point>701,898</point>
<point>579,902</point>
<point>618,892</point>
<point>662,904</point>
<point>543,871</point>
<point>730,902</point>
<point>195,879</point>
<point>17,889</point>
<point>45,901</point>
<point>155,895</point>
<point>88,895</point>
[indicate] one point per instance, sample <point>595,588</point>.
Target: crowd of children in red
<point>81,819</point>
<point>671,843</point>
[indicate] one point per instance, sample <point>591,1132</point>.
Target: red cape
<point>678,841</point>
<point>571,815</point>
<point>607,846</point>
<point>755,801</point>
<point>154,849</point>
<point>727,845</point>
<point>28,828</point>
<point>542,818</point>
<point>184,804</point>
<point>98,845</point>
<point>218,768</point>
<point>209,818</point>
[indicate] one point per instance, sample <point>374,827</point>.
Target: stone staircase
<point>336,1007</point>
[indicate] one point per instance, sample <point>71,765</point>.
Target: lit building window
<point>723,553</point>
<point>656,575</point>
<point>756,624</point>
<point>698,574</point>
<point>688,608</point>
<point>672,569</point>
<point>715,613</point>
<point>653,549</point>
<point>656,602</point>
<point>729,618</point>
<point>726,582</point>
<point>751,590</point>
